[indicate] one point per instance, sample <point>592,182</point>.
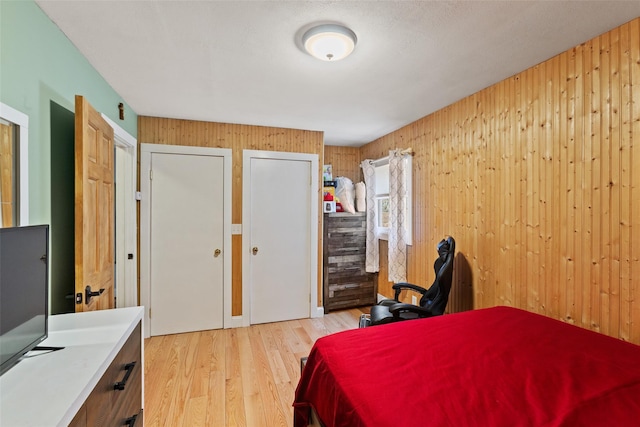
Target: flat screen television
<point>24,291</point>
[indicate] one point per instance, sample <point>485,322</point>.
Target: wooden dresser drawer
<point>80,420</point>
<point>118,394</point>
<point>351,294</point>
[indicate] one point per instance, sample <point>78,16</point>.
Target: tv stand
<point>92,374</point>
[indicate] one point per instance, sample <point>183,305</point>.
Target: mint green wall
<point>41,71</point>
<point>38,64</point>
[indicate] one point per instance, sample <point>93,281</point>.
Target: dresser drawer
<point>80,420</point>
<point>119,391</point>
<point>351,294</point>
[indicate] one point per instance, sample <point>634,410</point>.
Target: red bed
<point>488,368</point>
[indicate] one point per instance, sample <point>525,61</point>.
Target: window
<point>382,197</point>
<point>382,205</point>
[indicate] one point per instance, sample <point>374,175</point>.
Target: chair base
<point>365,321</point>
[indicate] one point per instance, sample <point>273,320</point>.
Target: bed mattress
<point>491,367</point>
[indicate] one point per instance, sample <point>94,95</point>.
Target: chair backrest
<point>437,296</point>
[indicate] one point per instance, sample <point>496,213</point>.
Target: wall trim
<point>22,120</point>
<point>127,292</point>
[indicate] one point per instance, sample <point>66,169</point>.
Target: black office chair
<point>433,301</point>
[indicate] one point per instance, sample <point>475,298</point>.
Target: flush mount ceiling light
<point>329,42</point>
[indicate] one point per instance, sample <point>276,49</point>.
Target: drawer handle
<point>131,421</point>
<point>129,368</point>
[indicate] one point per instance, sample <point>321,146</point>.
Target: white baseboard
<point>236,322</point>
<point>239,321</point>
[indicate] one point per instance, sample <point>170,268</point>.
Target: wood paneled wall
<point>538,180</point>
<point>154,130</point>
<point>345,161</point>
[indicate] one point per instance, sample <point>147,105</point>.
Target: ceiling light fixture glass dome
<point>329,42</point>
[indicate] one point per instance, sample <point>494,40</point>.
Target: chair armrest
<point>388,302</point>
<point>395,309</point>
<point>399,286</point>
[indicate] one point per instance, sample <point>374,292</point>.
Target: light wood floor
<point>233,377</point>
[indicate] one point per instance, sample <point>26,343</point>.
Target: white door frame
<point>127,289</point>
<point>146,151</point>
<point>247,155</point>
<point>22,120</point>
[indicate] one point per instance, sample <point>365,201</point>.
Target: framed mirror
<point>14,167</point>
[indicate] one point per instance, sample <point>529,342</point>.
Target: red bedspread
<point>488,368</point>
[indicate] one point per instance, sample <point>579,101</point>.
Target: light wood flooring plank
<point>273,412</point>
<point>234,393</point>
<point>234,377</point>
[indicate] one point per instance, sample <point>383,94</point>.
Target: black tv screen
<point>24,276</point>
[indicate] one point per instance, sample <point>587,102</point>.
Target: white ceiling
<point>241,61</point>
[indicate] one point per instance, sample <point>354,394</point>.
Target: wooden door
<point>7,172</point>
<point>280,231</point>
<point>94,209</point>
<point>187,238</point>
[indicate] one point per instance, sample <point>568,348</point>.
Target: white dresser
<point>77,385</point>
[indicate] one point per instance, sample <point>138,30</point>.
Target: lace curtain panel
<point>397,213</point>
<point>372,248</point>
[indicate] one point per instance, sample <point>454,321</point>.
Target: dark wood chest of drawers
<point>346,283</point>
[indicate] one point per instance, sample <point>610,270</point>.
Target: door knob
<point>254,250</point>
<point>88,293</point>
<point>217,253</point>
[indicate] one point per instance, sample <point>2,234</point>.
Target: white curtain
<point>397,217</point>
<point>372,247</point>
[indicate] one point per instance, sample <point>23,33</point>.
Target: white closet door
<point>280,231</point>
<point>187,228</point>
